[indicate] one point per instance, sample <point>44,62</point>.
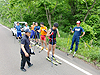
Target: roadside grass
<point>9,25</point>
<point>89,54</point>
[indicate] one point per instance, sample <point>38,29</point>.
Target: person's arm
<point>38,30</point>
<point>23,49</point>
<point>58,33</point>
<point>20,26</point>
<point>48,33</point>
<point>82,35</point>
<point>31,27</point>
<point>15,27</point>
<point>34,28</point>
<point>46,29</point>
<point>72,30</point>
<point>83,32</point>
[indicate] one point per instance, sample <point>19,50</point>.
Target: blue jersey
<point>18,28</point>
<point>37,28</point>
<point>77,31</point>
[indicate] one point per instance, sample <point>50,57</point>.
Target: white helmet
<point>25,23</point>
<point>78,22</point>
<point>33,22</point>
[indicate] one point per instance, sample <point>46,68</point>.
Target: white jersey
<point>26,27</point>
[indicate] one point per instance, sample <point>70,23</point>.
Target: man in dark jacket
<point>25,50</point>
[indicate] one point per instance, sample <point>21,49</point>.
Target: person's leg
<point>34,36</point>
<point>46,45</point>
<point>28,61</point>
<point>18,38</point>
<point>73,40</point>
<point>41,37</point>
<point>31,33</point>
<point>38,37</point>
<point>45,41</point>
<point>53,52</point>
<point>50,45</point>
<point>44,38</point>
<point>42,42</point>
<point>77,43</point>
<point>20,34</point>
<point>23,61</point>
<point>76,47</point>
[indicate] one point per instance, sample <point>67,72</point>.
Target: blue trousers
<point>75,40</point>
<point>32,34</point>
<point>19,34</point>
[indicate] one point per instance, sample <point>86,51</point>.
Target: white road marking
<point>78,68</point>
<point>5,27</point>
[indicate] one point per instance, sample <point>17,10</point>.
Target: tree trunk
<point>89,11</point>
<point>87,6</point>
<point>49,20</point>
<point>48,14</point>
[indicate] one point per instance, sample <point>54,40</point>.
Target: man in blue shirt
<point>77,35</point>
<point>25,50</point>
<point>37,31</point>
<point>18,27</point>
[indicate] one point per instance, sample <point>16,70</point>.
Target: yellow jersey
<point>32,27</point>
<point>42,30</point>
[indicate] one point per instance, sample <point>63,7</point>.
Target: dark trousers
<point>24,60</point>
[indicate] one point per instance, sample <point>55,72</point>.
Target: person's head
<point>78,23</point>
<point>18,23</point>
<point>55,26</point>
<point>28,32</point>
<point>26,24</point>
<point>42,24</point>
<point>36,24</point>
<point>33,23</point>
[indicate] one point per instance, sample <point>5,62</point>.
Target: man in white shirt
<point>26,26</point>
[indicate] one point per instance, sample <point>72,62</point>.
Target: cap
<point>56,25</point>
<point>17,22</point>
<point>78,22</point>
<point>33,22</point>
<point>42,23</point>
<point>27,30</point>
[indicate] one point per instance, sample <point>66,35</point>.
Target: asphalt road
<point>10,60</point>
